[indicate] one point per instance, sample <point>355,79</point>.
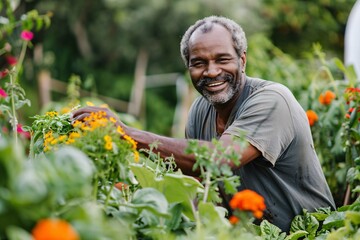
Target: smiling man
<point>280,162</point>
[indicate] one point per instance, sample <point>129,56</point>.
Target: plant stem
<point>20,61</point>
<point>13,119</point>
<point>108,195</point>
<point>207,186</point>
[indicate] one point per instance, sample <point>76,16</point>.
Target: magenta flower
<point>3,94</point>
<point>26,35</point>
<point>11,60</point>
<point>21,131</point>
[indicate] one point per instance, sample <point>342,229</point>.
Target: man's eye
<point>223,60</point>
<point>197,64</point>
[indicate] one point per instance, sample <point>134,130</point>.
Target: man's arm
<point>172,146</point>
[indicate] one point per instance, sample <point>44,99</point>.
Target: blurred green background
<point>105,42</point>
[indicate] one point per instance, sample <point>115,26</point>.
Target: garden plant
<point>64,179</point>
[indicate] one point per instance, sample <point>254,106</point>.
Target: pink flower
<point>26,35</point>
<point>4,73</point>
<point>11,60</point>
<point>22,132</point>
<point>3,94</point>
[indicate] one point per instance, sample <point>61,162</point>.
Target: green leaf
<point>335,220</point>
<point>28,188</point>
<point>296,235</point>
<point>177,188</point>
<point>210,214</point>
<point>353,216</point>
<point>175,210</point>
<point>152,200</point>
<point>305,222</point>
<point>270,232</point>
<point>16,233</point>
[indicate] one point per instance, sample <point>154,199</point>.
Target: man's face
<point>214,66</point>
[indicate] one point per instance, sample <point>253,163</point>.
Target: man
<point>280,162</point>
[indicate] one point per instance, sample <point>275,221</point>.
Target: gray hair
<point>206,24</point>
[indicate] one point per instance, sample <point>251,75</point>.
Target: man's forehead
<point>209,28</point>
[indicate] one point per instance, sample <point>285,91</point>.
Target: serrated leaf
<point>269,231</point>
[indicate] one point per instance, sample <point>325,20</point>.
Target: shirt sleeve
<point>266,118</point>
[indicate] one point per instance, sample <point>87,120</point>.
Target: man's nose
<point>212,70</point>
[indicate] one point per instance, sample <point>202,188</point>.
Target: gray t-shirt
<point>288,174</point>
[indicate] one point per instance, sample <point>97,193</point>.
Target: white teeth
<point>215,84</point>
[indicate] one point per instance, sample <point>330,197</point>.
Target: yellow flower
<point>136,156</point>
<point>62,138</point>
<point>107,138</point>
<point>51,114</point>
<point>88,103</point>
<point>74,135</point>
<point>77,123</point>
<point>113,120</point>
<point>108,146</point>
<point>131,141</point>
<point>70,141</point>
<point>120,130</point>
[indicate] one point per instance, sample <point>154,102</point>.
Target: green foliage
<point>295,25</point>
<point>214,166</point>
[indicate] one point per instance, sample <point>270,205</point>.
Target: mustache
<point>206,80</point>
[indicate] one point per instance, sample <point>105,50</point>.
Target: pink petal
<point>27,35</point>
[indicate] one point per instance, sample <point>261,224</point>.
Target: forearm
<point>167,147</point>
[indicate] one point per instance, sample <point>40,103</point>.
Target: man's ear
<point>243,59</point>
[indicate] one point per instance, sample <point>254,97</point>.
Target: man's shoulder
<point>258,85</point>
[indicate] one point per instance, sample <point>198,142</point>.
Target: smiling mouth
<point>215,84</point>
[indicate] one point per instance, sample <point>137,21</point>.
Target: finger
<point>86,110</point>
<point>80,117</point>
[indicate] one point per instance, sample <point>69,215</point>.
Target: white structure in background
<point>352,39</point>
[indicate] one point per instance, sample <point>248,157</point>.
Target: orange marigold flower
<point>248,200</point>
<point>312,117</point>
<point>327,97</point>
<point>121,186</point>
<point>233,220</point>
<point>54,229</point>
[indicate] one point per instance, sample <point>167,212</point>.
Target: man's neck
<point>223,111</point>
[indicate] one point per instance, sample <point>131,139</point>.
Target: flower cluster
<point>248,200</point>
<point>91,126</point>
